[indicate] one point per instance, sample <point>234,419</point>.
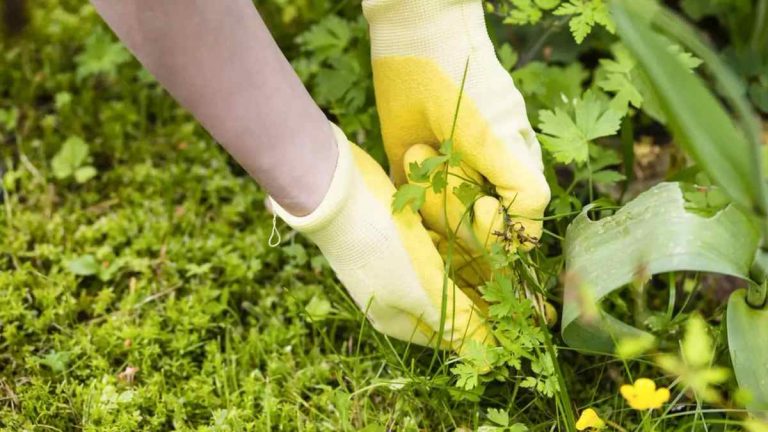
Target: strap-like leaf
<point>652,234</point>
<point>699,122</point>
<point>748,343</point>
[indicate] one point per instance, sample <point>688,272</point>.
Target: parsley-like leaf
<point>501,293</point>
<point>500,417</point>
<point>586,14</point>
<point>409,195</point>
<point>466,193</point>
<point>420,173</point>
<point>567,137</point>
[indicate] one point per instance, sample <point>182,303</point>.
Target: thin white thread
<point>274,236</point>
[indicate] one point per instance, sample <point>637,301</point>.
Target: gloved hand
<point>386,261</point>
<point>420,53</point>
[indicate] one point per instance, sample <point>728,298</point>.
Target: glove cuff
<point>335,198</point>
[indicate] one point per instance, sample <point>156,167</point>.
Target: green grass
<point>146,296</point>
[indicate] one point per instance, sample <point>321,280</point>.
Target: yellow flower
<point>643,395</point>
<point>589,419</point>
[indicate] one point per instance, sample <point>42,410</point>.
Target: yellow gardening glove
<point>458,236</point>
<point>387,261</point>
<point>421,50</point>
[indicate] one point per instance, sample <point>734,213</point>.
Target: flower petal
<point>645,386</point>
<point>628,391</point>
<point>589,419</point>
<point>660,397</point>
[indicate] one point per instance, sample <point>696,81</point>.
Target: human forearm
<point>219,61</point>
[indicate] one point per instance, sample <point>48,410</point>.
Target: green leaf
<point>654,233</point>
<point>545,86</point>
<point>620,77</point>
<point>409,195</point>
<point>507,56</point>
<point>501,294</point>
<point>629,83</point>
<point>446,149</point>
<point>703,199</point>
<point>297,252</point>
<point>586,14</point>
<point>467,193</point>
<point>439,181</point>
<point>748,345</point>
<point>318,308</point>
<point>102,54</point>
<point>697,343</point>
<point>547,4</point>
<point>562,137</point>
<point>73,153</point>
<point>328,38</point>
<point>339,81</point>
<point>420,173</point>
<point>632,347</point>
<point>696,117</point>
<point>607,177</point>
<point>56,361</point>
<point>468,376</point>
<point>567,137</point>
<point>595,118</point>
<point>83,174</point>
<point>500,417</point>
<point>524,12</point>
<point>84,265</point>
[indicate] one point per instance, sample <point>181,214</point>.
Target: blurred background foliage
<point>136,288</point>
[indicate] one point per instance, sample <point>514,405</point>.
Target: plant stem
<point>638,291</point>
<point>531,52</point>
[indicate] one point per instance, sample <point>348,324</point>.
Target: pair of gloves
<point>426,55</point>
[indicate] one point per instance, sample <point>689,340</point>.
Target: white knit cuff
<point>335,198</point>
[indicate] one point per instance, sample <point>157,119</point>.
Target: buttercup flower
<point>643,395</point>
<point>589,419</point>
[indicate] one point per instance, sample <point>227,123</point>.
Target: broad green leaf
<point>652,234</point>
<point>83,174</point>
<point>697,343</point>
<point>633,347</point>
<point>318,308</point>
<point>70,157</point>
<point>567,136</point>
<point>607,177</point>
<point>748,344</point>
<point>85,265</point>
<point>507,56</point>
<point>698,120</point>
